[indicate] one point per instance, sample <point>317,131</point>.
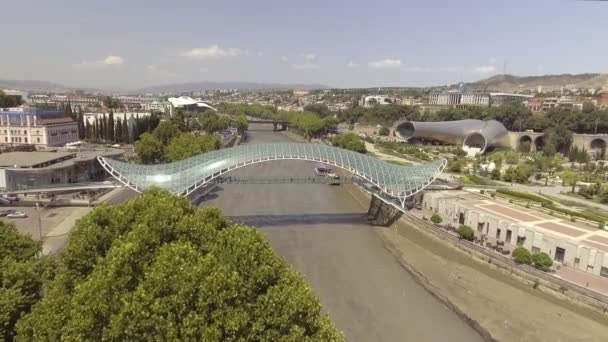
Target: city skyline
<point>342,44</point>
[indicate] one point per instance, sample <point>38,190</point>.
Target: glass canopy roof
<point>185,176</point>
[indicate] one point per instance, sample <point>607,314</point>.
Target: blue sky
<point>133,43</point>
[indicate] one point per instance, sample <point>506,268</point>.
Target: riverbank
<point>498,305</point>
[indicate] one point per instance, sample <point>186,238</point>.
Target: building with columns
<point>31,126</point>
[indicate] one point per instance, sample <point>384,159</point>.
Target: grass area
<point>478,180</point>
<point>550,204</point>
<point>399,155</point>
<point>398,162</point>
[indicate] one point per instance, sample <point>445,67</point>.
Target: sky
<point>135,43</point>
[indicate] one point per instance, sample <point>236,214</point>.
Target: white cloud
<point>213,52</point>
<point>284,59</point>
<point>309,56</point>
<point>485,69</point>
<point>352,64</point>
<point>305,66</point>
<point>385,63</point>
<point>418,69</point>
<point>108,61</point>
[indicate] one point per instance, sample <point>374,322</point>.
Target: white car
<point>17,214</point>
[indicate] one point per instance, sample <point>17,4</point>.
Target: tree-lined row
<point>167,143</point>
<point>157,268</point>
<point>106,129</point>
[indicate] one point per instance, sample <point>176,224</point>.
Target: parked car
<point>3,213</point>
<point>17,214</point>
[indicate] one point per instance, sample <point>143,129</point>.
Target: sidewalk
<point>57,238</point>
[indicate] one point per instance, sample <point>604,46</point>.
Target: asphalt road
<point>321,230</point>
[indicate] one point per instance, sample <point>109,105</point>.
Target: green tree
<point>436,219</point>
<point>120,282</point>
<point>81,125</point>
<point>110,127</point>
<point>149,149</point>
<point>542,261</point>
<point>22,274</point>
<point>241,124</point>
<point>126,137</point>
<point>522,256</point>
<point>465,232</point>
<point>570,177</point>
<point>111,102</point>
<point>118,131</point>
<point>495,174</point>
<point>384,131</point>
<point>9,101</point>
<point>166,131</point>
<point>188,145</point>
<point>349,141</point>
<point>320,109</point>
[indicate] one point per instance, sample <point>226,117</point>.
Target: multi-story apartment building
<point>31,126</point>
<point>60,101</point>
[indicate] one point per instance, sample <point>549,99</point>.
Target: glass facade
<point>185,176</point>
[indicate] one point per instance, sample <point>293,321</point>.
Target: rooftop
<point>32,159</point>
<point>53,159</point>
<point>537,220</point>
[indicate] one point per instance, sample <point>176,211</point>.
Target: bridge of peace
<point>395,183</point>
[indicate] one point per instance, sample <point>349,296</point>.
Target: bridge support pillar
<point>382,214</point>
<point>274,126</point>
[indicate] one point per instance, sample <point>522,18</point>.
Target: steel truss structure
<point>185,176</point>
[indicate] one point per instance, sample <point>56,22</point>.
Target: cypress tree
<point>111,127</point>
<point>125,131</point>
<point>118,135</point>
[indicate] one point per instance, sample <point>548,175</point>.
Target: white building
<point>372,100</point>
<point>572,244</point>
<point>475,99</point>
<point>188,102</point>
<point>31,126</point>
<point>445,99</point>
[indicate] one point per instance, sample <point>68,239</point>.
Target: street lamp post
<point>39,221</point>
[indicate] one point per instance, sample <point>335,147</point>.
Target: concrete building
<point>573,244</point>
<point>475,99</point>
<point>498,99</point>
<point>445,99</point>
<point>535,104</point>
<point>372,100</point>
<point>76,102</point>
<point>27,170</point>
<point>31,126</point>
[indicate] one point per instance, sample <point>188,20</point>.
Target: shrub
<point>601,225</point>
<point>436,219</point>
<point>465,232</point>
<point>522,256</point>
<point>542,261</point>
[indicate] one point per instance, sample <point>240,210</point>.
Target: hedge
<point>525,195</point>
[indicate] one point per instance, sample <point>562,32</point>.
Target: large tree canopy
<point>157,268</point>
<point>188,145</point>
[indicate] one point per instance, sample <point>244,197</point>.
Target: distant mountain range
<point>33,85</point>
<point>178,88</point>
<point>514,83</point>
<point>195,86</point>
